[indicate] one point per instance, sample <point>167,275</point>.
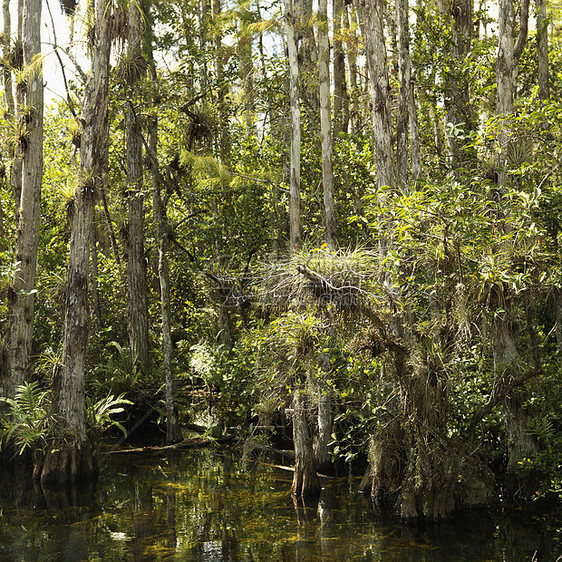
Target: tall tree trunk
<point>341,101</point>
<point>542,50</point>
<point>173,432</point>
<point>326,125</point>
<point>8,94</point>
<point>308,60</point>
<point>17,166</point>
<point>459,117</point>
<point>520,443</point>
<point>372,14</point>
<point>404,71</point>
<point>354,88</point>
<point>137,310</point>
<point>295,164</point>
<point>8,56</point>
<point>506,72</point>
<point>224,131</point>
<point>245,55</point>
<point>72,459</point>
<point>159,210</point>
<point>505,65</point>
<point>22,301</point>
<point>305,480</point>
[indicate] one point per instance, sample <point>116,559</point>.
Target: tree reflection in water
<point>205,505</point>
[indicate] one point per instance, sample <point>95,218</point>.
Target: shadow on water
<point>204,505</point>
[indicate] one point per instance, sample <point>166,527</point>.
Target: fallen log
<point>191,443</point>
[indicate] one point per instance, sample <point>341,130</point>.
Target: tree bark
<point>520,444</point>
<point>305,481</point>
<point>459,119</point>
<point>341,101</point>
<point>19,108</point>
<point>137,307</point>
<point>308,60</point>
<point>245,55</point>
<point>509,53</point>
<point>326,126</point>
<point>404,71</point>
<point>505,65</point>
<point>354,87</point>
<point>224,131</point>
<point>159,210</point>
<point>542,50</point>
<point>22,301</point>
<point>70,459</point>
<point>295,165</point>
<point>372,17</point>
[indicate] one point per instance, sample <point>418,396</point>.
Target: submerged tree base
<point>306,483</point>
<point>64,466</point>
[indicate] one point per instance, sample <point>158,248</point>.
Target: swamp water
<point>209,505</point>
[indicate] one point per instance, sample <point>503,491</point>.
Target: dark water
<point>207,505</point>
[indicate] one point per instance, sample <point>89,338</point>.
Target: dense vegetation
<point>365,267</point>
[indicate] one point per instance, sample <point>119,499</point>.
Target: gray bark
<point>17,165</point>
<point>341,101</point>
<point>72,460</point>
<point>325,430</point>
<point>137,307</point>
<point>159,209</point>
<point>326,125</point>
<point>22,303</point>
<point>245,50</point>
<point>509,53</point>
<point>295,165</point>
<point>352,66</point>
<point>305,480</point>
<point>406,96</point>
<point>173,432</point>
<point>505,66</point>
<point>457,99</point>
<point>372,14</point>
<point>6,53</point>
<point>542,50</point>
<point>308,58</point>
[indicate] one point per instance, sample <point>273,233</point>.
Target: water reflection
<point>204,506</point>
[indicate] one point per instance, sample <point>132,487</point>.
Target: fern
<point>100,413</point>
<point>26,422</point>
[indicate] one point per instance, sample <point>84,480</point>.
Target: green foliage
<point>26,422</point>
<point>100,414</point>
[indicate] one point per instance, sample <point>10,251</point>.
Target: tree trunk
<point>405,79</point>
<point>159,209</point>
<point>372,17</point>
<point>325,429</point>
<point>308,60</point>
<point>520,444</point>
<point>459,119</point>
<point>137,310</point>
<point>341,102</point>
<point>224,131</point>
<point>245,55</point>
<point>305,480</point>
<point>542,50</point>
<point>70,459</point>
<point>506,72</point>
<point>295,165</point>
<point>326,125</point>
<point>19,107</point>
<point>505,65</point>
<point>22,301</point>
<point>352,65</point>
